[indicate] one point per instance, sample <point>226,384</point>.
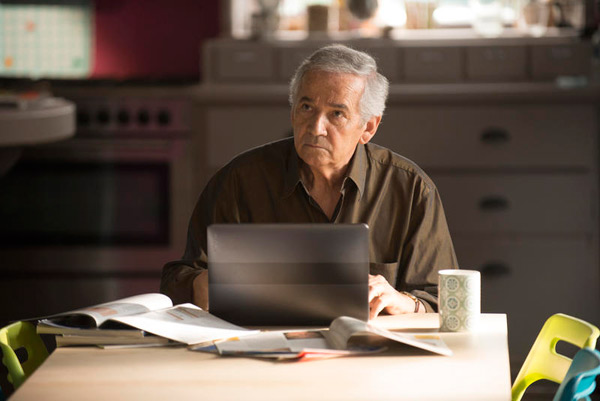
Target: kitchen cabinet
<point>531,277</point>
<point>514,155</point>
<point>518,181</point>
<point>484,136</point>
<point>426,60</point>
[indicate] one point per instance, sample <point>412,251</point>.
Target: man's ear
<point>370,129</point>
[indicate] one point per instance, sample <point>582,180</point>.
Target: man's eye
<point>305,107</point>
<point>338,114</point>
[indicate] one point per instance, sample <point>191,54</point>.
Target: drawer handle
<point>495,136</point>
<point>494,269</point>
<point>494,203</point>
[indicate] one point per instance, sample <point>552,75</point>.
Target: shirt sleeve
<point>217,204</point>
<point>428,247</point>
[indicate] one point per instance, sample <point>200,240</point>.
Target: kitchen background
<point>113,114</point>
<point>94,217</point>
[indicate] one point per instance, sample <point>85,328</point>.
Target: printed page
<point>343,328</point>
<point>109,329</point>
<point>271,341</point>
<point>96,315</point>
<point>266,341</point>
<point>428,341</point>
<point>334,341</point>
<point>185,323</point>
<point>304,340</point>
<point>281,345</point>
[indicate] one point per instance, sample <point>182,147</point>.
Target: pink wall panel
<point>152,39</point>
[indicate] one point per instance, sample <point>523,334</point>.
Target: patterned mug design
<point>459,299</point>
<point>452,303</point>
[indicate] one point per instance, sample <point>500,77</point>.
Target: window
<point>296,18</point>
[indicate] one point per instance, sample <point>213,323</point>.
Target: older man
<point>330,173</point>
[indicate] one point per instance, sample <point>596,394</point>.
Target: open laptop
<point>288,274</point>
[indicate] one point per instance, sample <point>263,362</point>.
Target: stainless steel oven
<point>95,217</point>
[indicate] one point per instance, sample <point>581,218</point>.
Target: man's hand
<point>200,290</point>
<point>382,296</point>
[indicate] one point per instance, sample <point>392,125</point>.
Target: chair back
<point>580,380</point>
<point>543,362</point>
<point>14,337</point>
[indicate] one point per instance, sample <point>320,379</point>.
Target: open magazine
<point>150,313</point>
<point>345,336</point>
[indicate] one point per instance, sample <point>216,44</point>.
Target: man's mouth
<point>316,146</point>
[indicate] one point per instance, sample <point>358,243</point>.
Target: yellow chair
<point>543,362</point>
<point>14,337</point>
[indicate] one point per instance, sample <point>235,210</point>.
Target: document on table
<point>332,341</point>
<point>185,323</point>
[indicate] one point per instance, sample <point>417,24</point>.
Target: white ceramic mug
<point>459,297</point>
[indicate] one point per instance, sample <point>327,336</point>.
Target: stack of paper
<point>123,335</point>
<point>148,319</point>
<point>345,336</point>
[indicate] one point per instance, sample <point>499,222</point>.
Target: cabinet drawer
<point>291,57</point>
<point>244,62</point>
<point>432,64</point>
<point>233,130</point>
<point>531,279</point>
<point>388,60</point>
<point>515,136</point>
<point>550,61</point>
<point>497,63</point>
<point>517,203</point>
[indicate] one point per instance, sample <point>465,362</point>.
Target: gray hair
<point>342,59</point>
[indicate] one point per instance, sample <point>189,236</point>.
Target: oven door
<point>95,203</point>
<point>104,214</point>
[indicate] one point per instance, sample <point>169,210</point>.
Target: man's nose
<point>318,125</point>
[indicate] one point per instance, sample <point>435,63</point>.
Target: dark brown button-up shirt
<point>409,239</point>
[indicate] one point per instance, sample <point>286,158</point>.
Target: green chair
<point>580,380</point>
<point>14,337</point>
<point>543,362</point>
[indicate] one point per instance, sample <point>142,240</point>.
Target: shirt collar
<point>357,171</point>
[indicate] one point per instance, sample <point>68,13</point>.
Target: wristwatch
<point>411,296</point>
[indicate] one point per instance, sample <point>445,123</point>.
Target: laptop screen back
<point>288,274</point>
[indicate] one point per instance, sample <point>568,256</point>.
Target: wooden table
<point>478,370</point>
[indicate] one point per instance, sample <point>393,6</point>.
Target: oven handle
<point>116,150</point>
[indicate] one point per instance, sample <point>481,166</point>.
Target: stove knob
<point>83,118</point>
<point>164,118</point>
<point>103,117</point>
<point>123,117</point>
<point>143,117</point>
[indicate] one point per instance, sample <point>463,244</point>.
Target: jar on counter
<point>536,16</point>
<point>487,17</point>
<point>323,16</point>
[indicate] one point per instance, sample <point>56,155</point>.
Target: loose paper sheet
<point>185,323</point>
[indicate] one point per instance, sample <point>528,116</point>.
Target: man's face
<point>326,119</point>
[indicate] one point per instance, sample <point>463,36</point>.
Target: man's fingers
<point>376,306</point>
<point>378,279</point>
<point>374,292</point>
<point>378,286</point>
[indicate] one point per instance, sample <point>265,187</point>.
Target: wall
<point>152,39</point>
